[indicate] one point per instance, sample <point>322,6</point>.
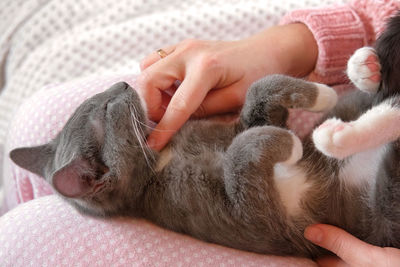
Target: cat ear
<point>73,180</point>
<point>33,159</point>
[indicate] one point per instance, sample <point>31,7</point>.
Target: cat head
<point>99,160</point>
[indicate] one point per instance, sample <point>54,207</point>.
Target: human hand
<point>215,75</point>
<point>350,250</point>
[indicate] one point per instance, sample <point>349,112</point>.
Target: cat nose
<point>125,85</point>
<point>121,86</point>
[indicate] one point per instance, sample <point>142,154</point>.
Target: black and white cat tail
<point>383,61</point>
<point>388,51</point>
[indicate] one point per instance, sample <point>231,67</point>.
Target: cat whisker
<point>152,128</point>
<point>141,136</point>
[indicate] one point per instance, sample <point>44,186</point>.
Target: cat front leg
<point>363,69</point>
<point>250,165</point>
<point>268,100</point>
<point>264,187</point>
<point>378,126</point>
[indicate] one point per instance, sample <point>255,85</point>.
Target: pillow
<point>49,232</point>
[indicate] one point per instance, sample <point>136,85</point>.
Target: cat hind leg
<point>260,164</point>
<point>296,152</point>
<point>251,158</point>
<point>376,127</point>
<point>363,69</point>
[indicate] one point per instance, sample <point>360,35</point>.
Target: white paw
<point>326,99</point>
<point>363,69</point>
<point>336,138</point>
<point>297,151</point>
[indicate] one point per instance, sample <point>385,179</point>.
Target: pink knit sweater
<point>340,30</point>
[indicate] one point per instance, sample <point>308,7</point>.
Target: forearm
<point>298,49</point>
<point>289,49</point>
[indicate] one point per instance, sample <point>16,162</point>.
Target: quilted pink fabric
<point>48,232</point>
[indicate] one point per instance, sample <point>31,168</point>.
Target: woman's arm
<point>215,75</point>
<point>340,30</point>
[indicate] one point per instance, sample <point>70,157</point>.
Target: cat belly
<point>362,168</point>
<point>291,183</point>
<point>358,171</point>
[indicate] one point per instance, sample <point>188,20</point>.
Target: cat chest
<point>362,169</point>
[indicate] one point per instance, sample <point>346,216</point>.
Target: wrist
<point>302,49</point>
<point>288,49</point>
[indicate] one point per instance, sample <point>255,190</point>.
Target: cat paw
<point>297,151</point>
<point>326,99</point>
<point>363,69</point>
<point>335,138</point>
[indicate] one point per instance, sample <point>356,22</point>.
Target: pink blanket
<point>48,232</point>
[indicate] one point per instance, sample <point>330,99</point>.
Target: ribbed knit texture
<point>340,30</point>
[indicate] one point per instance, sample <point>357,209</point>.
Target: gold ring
<point>162,53</point>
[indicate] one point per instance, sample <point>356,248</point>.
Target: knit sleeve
<point>340,30</point>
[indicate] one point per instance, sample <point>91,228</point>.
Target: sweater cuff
<point>338,32</point>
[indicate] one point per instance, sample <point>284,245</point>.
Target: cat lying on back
<point>250,185</point>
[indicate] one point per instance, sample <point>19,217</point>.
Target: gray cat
<point>250,185</point>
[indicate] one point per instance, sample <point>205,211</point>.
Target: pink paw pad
<point>341,126</point>
<point>376,78</point>
<point>372,63</point>
<point>326,125</point>
<point>363,69</point>
<point>335,138</point>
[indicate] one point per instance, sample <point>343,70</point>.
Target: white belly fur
<point>360,171</point>
<point>291,184</point>
<point>362,168</point>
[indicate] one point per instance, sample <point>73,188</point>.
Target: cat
<point>251,184</point>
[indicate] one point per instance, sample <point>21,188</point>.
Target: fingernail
<point>151,143</point>
<point>314,234</point>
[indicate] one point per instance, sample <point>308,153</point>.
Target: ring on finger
<point>162,53</point>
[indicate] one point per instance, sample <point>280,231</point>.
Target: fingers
<point>154,57</point>
<point>218,101</point>
<point>155,83</point>
<point>224,100</point>
<point>349,248</point>
<point>183,103</point>
<point>331,261</point>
